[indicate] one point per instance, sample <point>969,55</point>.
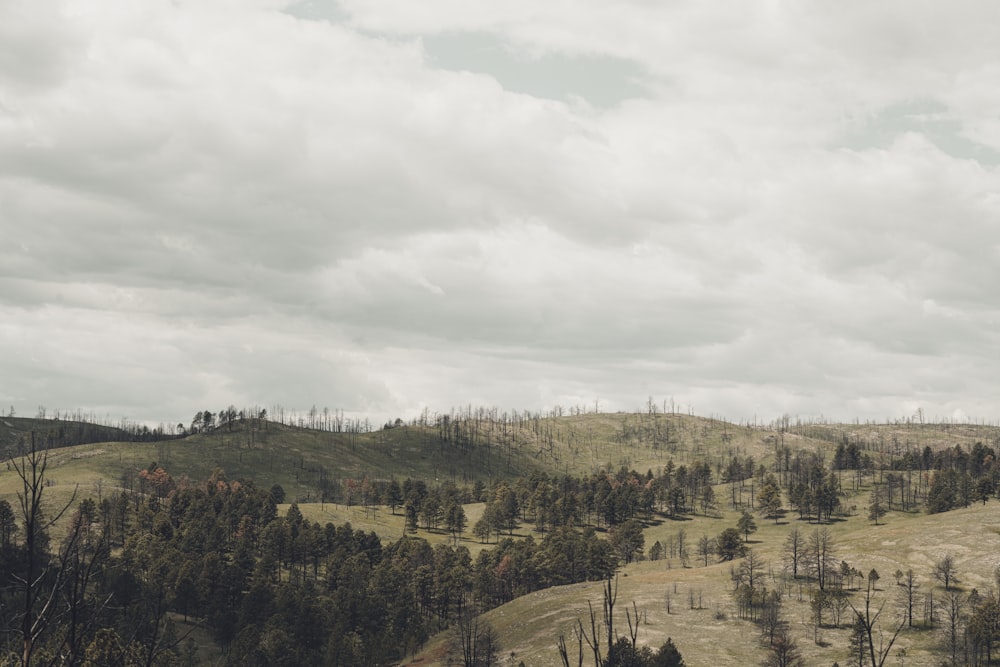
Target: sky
<point>744,209</point>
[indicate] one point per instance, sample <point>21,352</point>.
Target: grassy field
<point>709,632</point>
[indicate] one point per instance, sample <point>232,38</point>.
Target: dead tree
<point>40,581</point>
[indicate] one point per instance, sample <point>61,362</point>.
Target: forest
<point>164,568</point>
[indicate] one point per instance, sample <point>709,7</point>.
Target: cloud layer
<point>754,208</point>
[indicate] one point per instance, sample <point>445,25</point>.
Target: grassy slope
<point>713,635</point>
<point>580,444</point>
<point>296,458</point>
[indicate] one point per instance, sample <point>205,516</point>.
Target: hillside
<point>703,619</point>
<point>16,432</point>
<point>315,467</point>
<point>460,448</point>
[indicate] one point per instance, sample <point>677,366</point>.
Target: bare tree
<point>610,596</point>
<point>477,639</point>
<point>909,586</point>
<point>953,611</point>
<point>866,625</point>
<point>40,581</point>
<point>819,556</point>
<point>564,649</point>
<point>944,571</point>
<point>593,639</point>
<point>794,550</point>
<point>751,569</point>
<point>705,548</point>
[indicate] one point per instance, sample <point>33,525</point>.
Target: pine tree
<point>876,508</point>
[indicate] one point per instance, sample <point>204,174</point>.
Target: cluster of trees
<point>433,508</point>
<point>968,624</point>
<point>957,477</point>
<point>271,589</point>
<point>602,500</point>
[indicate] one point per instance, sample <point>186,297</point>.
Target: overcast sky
<point>750,208</point>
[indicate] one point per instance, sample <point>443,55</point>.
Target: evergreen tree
<point>876,508</point>
<point>747,525</point>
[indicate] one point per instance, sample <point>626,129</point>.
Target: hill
<point>16,432</point>
<point>685,598</point>
<point>703,620</point>
<point>313,464</point>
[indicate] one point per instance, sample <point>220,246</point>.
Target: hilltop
<point>311,464</point>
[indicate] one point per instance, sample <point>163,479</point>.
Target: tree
<point>751,570</point>
<point>910,585</point>
<point>676,500</point>
<point>747,525</point>
<point>627,540</point>
<point>8,525</point>
<point>784,651</point>
<point>818,603</point>
<point>876,508</point>
<point>705,548</point>
<point>277,494</point>
<point>873,577</point>
<point>393,496</point>
<point>942,496</point>
<point>624,653</point>
<point>40,580</point>
<point>866,624</point>
<point>984,628</point>
<point>668,656</point>
<point>412,513</point>
<point>944,571</point>
<point>984,488</point>
<point>953,606</point>
<point>729,544</point>
<point>707,499</point>
<point>455,519</point>
<point>682,549</point>
<point>793,550</point>
<point>819,555</point>
<point>564,648</point>
<point>858,642</point>
<point>770,498</point>
<point>477,640</point>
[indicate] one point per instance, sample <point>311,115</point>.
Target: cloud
<point>754,209</point>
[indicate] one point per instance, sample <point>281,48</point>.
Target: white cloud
<point>760,208</point>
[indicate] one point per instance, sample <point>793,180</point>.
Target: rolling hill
<point>313,464</point>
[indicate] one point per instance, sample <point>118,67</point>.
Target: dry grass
<point>712,635</point>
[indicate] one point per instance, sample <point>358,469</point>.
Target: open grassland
<point>703,618</point>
